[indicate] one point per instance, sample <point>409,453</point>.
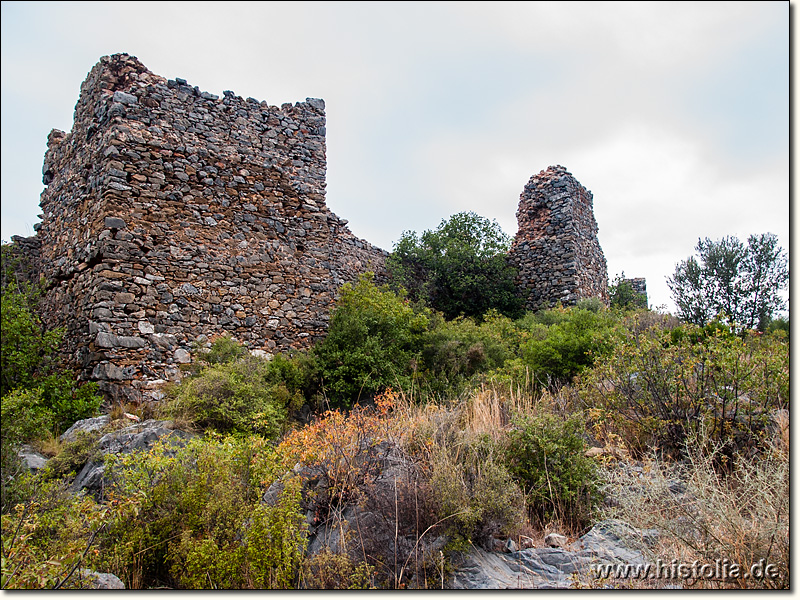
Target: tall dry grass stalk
<point>706,516</point>
<point>490,409</point>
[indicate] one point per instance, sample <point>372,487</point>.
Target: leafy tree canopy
<point>458,269</point>
<point>742,282</point>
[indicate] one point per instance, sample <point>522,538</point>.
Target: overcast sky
<point>674,115</point>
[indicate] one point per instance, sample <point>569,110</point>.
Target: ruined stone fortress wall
<point>171,215</point>
<point>556,248</point>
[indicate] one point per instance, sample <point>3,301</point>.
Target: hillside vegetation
<point>491,417</point>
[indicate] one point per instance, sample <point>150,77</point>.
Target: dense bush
<point>52,532</point>
<point>779,324</point>
<point>454,351</point>
<point>28,360</point>
<point>247,394</point>
<point>201,523</point>
<point>38,399</point>
<point>372,343</point>
<point>475,491</point>
<point>336,571</point>
<point>622,295</point>
<point>660,385</point>
<point>545,453</point>
<point>563,342</point>
<point>225,349</point>
<point>459,269</point>
<point>27,348</point>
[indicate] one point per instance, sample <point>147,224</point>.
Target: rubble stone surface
<point>556,248</point>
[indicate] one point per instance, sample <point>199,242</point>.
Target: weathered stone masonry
<point>171,214</point>
<point>556,248</point>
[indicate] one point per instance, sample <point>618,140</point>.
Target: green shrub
<point>69,400</point>
<point>24,416</point>
<point>276,539</point>
<point>72,456</point>
<point>475,491</point>
<point>35,413</point>
<point>545,453</point>
<point>372,343</point>
<point>224,349</point>
<point>622,295</point>
<point>564,342</point>
<point>201,524</point>
<point>661,385</point>
<point>779,324</point>
<point>454,351</point>
<point>330,571</point>
<point>53,530</point>
<point>27,357</point>
<point>592,304</point>
<point>246,395</point>
<point>27,349</point>
<point>460,269</point>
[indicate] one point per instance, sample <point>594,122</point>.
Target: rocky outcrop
<point>366,524</point>
<point>31,459</point>
<point>85,427</point>
<point>553,568</point>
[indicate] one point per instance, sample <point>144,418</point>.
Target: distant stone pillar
<point>556,248</point>
<point>639,287</point>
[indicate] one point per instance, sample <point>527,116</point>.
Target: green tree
<point>743,282</point>
<point>25,345</point>
<point>459,269</point>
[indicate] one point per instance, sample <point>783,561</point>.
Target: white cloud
<point>673,114</point>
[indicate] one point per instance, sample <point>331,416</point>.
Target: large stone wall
<point>556,248</point>
<point>172,215</point>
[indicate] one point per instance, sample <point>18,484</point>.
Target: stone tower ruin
<point>556,248</point>
<point>172,215</point>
